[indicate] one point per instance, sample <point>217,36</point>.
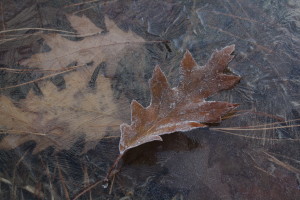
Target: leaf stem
<point>111,172</point>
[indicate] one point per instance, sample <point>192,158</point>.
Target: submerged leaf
<point>60,118</point>
<point>97,46</point>
<point>181,108</point>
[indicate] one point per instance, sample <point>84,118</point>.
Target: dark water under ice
<point>200,164</point>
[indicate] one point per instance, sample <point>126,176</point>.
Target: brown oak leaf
<point>95,47</point>
<point>181,108</point>
<point>59,118</point>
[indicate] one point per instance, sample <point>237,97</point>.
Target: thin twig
<point>20,132</point>
<point>49,178</point>
<point>74,13</point>
<point>111,185</point>
<point>86,179</point>
<point>33,70</point>
<point>282,164</point>
<point>63,182</point>
<point>91,186</point>
<point>113,167</point>
<point>111,172</point>
<point>258,113</point>
<point>18,38</point>
<point>255,129</point>
<point>286,157</point>
<point>78,4</point>
<point>40,79</point>
<point>270,124</point>
<point>41,29</point>
<point>13,194</point>
<point>257,138</point>
<point>264,171</point>
<point>34,191</point>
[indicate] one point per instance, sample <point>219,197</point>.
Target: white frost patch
<point>185,127</point>
<point>172,105</point>
<point>295,103</point>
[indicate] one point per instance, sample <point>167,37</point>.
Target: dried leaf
<point>60,118</point>
<point>184,107</point>
<point>96,47</point>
